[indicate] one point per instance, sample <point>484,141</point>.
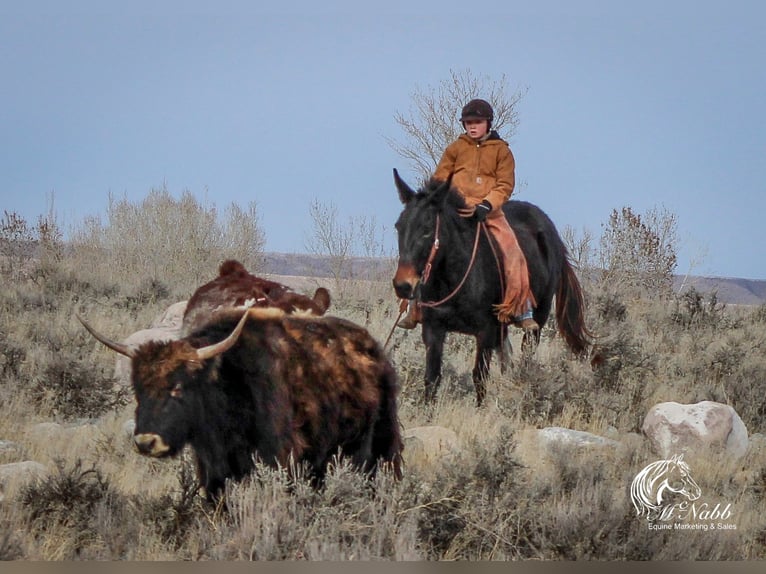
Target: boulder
<point>128,428</point>
<point>701,428</point>
<point>551,437</point>
<point>10,448</point>
<point>49,433</point>
<point>14,474</point>
<point>429,443</point>
<point>165,327</point>
<point>122,363</point>
<point>171,318</point>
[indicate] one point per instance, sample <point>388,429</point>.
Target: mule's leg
<point>481,368</point>
<point>529,342</point>
<point>506,350</point>
<point>531,339</point>
<point>434,342</point>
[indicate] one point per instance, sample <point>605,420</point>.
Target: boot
<point>413,317</point>
<point>528,324</point>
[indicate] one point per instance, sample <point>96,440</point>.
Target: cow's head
<point>165,375</point>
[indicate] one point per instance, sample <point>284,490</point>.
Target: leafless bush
<point>355,251</point>
<point>179,242</point>
<point>27,251</point>
<point>691,308</point>
<point>64,505</point>
<point>15,242</point>
<point>639,253</point>
<point>10,547</point>
<point>580,246</point>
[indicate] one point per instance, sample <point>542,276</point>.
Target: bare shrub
<point>175,241</point>
<point>691,309</point>
<point>27,251</point>
<point>64,505</point>
<point>10,547</point>
<point>278,515</point>
<point>174,515</point>
<point>759,315</point>
<point>359,264</point>
<point>12,356</point>
<point>638,253</point>
<point>580,246</point>
<point>69,387</point>
<point>15,243</point>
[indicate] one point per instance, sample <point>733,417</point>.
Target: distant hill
<point>729,290</point>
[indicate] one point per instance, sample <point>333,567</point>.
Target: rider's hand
<point>477,212</point>
<point>482,210</point>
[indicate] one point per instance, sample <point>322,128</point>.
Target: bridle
<point>432,255</point>
<point>425,276</point>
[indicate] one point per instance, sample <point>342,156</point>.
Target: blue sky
<point>648,105</point>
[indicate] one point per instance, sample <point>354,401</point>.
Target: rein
<point>432,255</point>
<point>429,263</point>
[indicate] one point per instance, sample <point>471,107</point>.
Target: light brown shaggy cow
<point>236,287</point>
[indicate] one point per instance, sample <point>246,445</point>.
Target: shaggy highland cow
<point>265,384</point>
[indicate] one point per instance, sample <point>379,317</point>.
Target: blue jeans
<point>527,314</point>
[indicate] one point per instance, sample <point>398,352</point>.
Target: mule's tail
<point>570,311</point>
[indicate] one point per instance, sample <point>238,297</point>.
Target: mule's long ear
<point>114,346</point>
<point>406,193</point>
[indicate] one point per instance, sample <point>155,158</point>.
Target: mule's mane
<point>438,192</point>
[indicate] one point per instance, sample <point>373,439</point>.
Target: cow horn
<point>119,347</point>
<point>215,349</point>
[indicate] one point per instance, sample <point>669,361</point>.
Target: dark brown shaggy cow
<point>266,384</point>
<point>236,287</point>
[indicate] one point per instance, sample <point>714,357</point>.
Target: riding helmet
<point>477,110</point>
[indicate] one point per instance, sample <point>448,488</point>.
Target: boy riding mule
<point>451,263</point>
<point>480,165</point>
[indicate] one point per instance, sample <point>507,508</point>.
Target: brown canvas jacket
<point>480,170</point>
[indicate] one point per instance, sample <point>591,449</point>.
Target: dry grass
<point>499,498</point>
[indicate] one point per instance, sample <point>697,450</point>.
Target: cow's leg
<point>434,342</point>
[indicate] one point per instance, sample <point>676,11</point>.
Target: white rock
<point>122,368</point>
<point>172,317</point>
<point>49,432</point>
<point>129,427</point>
<point>14,474</point>
<point>552,436</point>
<point>9,447</point>
<point>429,442</point>
<point>674,428</point>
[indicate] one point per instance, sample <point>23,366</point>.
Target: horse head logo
<point>657,488</point>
